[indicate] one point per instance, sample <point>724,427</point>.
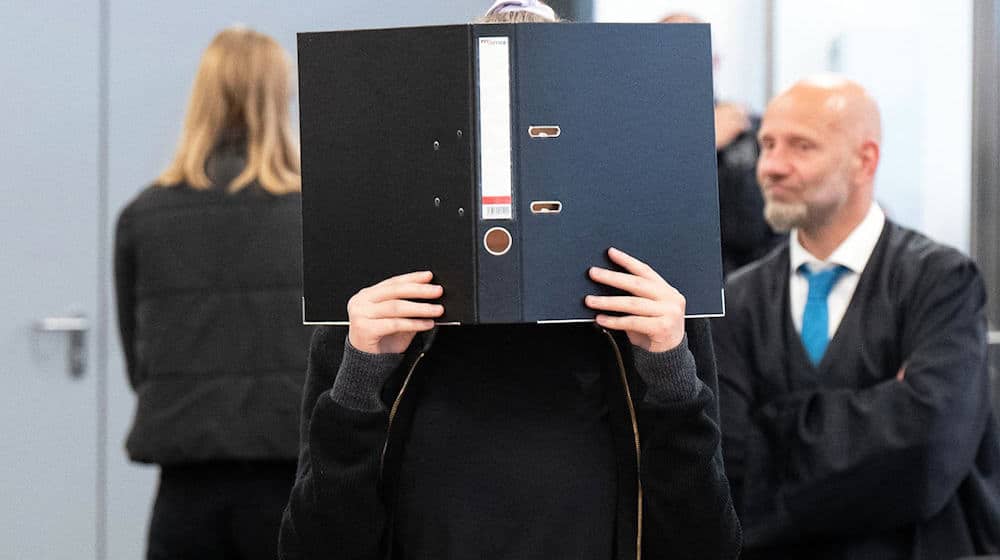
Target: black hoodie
<point>361,494</point>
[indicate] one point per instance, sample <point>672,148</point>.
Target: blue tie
<point>816,318</point>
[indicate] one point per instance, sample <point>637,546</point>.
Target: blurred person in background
<point>746,236</point>
<point>208,272</point>
<point>852,360</point>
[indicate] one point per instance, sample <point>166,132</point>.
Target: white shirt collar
<point>853,253</point>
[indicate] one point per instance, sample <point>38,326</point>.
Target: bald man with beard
<point>853,359</point>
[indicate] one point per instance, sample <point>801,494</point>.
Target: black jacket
<point>341,505</point>
<point>843,460</point>
<point>209,307</point>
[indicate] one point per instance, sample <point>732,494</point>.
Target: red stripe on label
<point>496,200</point>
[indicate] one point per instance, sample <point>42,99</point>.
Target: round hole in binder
<point>497,241</point>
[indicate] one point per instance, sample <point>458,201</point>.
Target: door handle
<point>76,326</point>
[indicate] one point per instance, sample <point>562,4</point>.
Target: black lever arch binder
<point>506,159</point>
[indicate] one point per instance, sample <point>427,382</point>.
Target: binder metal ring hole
<point>497,241</point>
<point>546,207</point>
<point>546,131</point>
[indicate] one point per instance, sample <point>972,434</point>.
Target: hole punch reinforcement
<point>544,131</point>
<point>497,241</point>
<point>546,207</point>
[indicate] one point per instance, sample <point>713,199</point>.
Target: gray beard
<point>783,216</point>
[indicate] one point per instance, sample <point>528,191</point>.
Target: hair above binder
<point>519,11</point>
<point>242,90</point>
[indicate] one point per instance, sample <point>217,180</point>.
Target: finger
<point>422,277</point>
<point>631,323</point>
<point>387,327</point>
<point>627,304</point>
<point>635,285</point>
<point>378,293</point>
<point>654,328</point>
<point>633,265</point>
<point>401,308</point>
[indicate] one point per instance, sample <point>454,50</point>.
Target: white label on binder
<point>494,129</point>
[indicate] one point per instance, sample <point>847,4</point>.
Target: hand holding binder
<point>653,315</point>
<point>384,320</point>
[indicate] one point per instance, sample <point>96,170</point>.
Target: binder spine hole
<point>547,131</point>
<point>497,241</point>
<point>546,207</point>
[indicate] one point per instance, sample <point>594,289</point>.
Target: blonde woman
<point>207,271</point>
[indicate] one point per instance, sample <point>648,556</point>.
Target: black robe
<point>843,460</point>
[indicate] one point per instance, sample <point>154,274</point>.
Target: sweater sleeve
<point>834,461</point>
<point>360,378</point>
<point>686,502</point>
<point>336,508</point>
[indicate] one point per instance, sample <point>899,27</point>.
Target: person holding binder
<point>573,441</point>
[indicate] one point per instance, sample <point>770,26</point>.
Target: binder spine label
<point>494,128</point>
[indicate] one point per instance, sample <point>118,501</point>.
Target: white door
<point>49,231</point>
